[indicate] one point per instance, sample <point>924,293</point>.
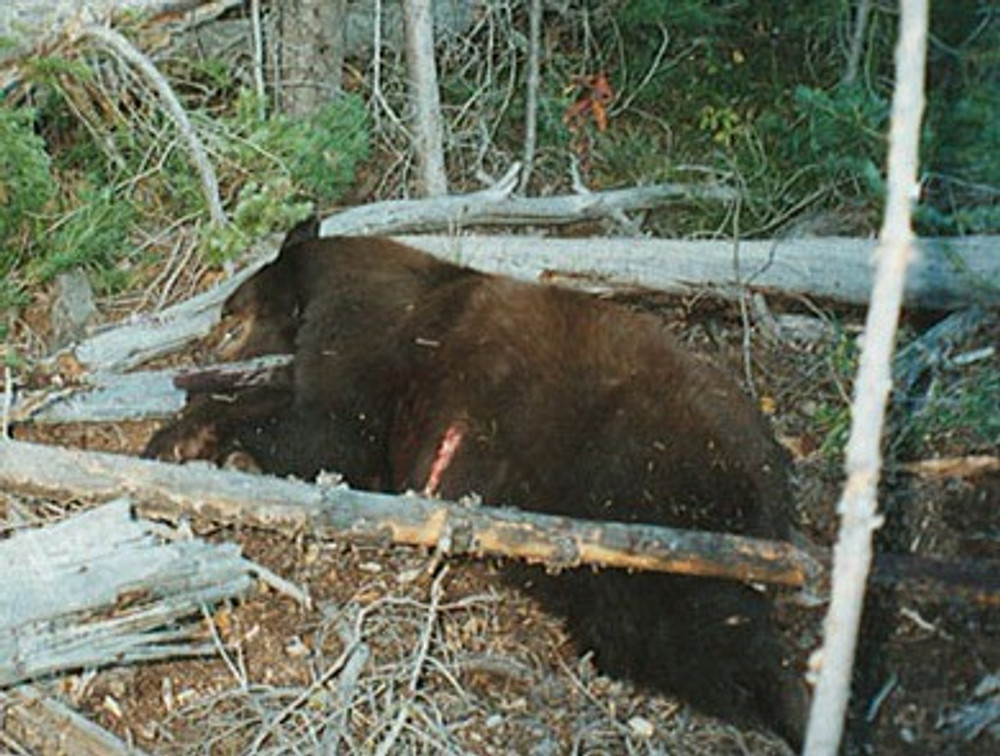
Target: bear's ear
<point>303,231</point>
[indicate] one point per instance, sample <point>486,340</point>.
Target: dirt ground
<point>403,654</point>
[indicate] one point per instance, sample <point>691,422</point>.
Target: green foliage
<point>324,150</point>
<point>833,421</point>
<point>95,235</point>
<point>318,155</point>
<point>281,166</point>
<point>47,70</point>
<point>971,406</point>
<point>632,156</point>
<point>681,16</point>
<point>833,418</point>
<point>260,209</point>
<point>972,126</point>
<point>843,131</point>
<point>26,184</point>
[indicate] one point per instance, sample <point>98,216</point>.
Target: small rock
<point>641,727</point>
<point>73,308</point>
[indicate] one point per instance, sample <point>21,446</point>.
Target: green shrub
<point>95,236</point>
<point>26,184</point>
<point>845,132</point>
<point>319,155</point>
<point>324,151</point>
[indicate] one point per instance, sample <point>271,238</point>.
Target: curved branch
<point>115,42</point>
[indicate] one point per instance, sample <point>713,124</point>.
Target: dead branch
<point>337,512</point>
<point>934,346</point>
<point>117,44</point>
<point>61,583</point>
<point>496,206</point>
<point>39,722</point>
<point>146,395</point>
<point>858,507</point>
<point>954,467</point>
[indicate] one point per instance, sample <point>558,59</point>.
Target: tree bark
<point>312,54</point>
<point>531,87</point>
<point>428,127</point>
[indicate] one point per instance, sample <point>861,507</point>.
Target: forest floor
<point>400,654</point>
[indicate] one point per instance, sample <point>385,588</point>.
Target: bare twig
<point>351,650</point>
<point>258,58</point>
<point>858,504</point>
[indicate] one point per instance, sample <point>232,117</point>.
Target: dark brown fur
<point>562,404</point>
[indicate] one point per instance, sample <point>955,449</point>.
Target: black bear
<point>411,373</point>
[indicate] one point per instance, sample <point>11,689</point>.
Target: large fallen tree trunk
<point>948,273</point>
<point>169,491</point>
<point>336,512</point>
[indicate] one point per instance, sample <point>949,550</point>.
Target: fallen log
<point>172,492</point>
<point>336,512</point>
<point>145,395</point>
<point>948,273</point>
<point>103,586</point>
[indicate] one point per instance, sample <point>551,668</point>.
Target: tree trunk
<point>427,124</point>
<point>312,54</point>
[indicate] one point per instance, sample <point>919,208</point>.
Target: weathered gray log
<point>337,512</point>
<point>497,207</point>
<point>150,336</point>
<point>58,580</point>
<point>949,273</point>
<point>147,395</point>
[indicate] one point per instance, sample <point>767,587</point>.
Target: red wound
<point>442,458</point>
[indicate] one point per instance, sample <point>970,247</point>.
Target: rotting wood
<point>935,346</point>
<point>61,583</point>
<point>45,726</point>
<point>173,492</point>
